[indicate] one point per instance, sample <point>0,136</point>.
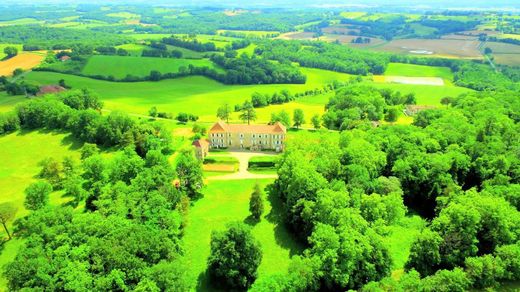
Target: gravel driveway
<point>243,159</point>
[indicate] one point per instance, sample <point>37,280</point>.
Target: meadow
<point>411,70</point>
<point>182,94</point>
<point>119,67</point>
<point>228,201</point>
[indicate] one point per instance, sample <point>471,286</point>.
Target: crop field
<point>228,201</point>
<point>465,49</point>
<point>119,67</point>
<point>23,60</point>
<point>506,54</point>
<point>297,36</point>
<point>183,94</point>
<point>126,15</point>
<point>347,39</point>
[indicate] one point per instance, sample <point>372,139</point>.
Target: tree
<point>51,171</point>
<point>235,257</point>
<point>7,213</point>
<point>88,150</point>
<point>153,111</point>
<point>446,100</point>
<point>488,51</point>
<point>10,51</point>
<point>37,195</point>
<point>17,72</point>
<point>298,118</point>
<point>223,112</point>
<point>248,112</point>
<point>189,172</point>
<point>282,117</point>
<point>316,121</point>
<point>424,256</point>
<point>256,203</point>
<point>392,115</point>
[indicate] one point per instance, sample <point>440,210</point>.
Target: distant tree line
<point>322,55</point>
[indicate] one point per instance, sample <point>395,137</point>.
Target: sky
<point>440,4</point>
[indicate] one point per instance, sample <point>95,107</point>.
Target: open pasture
<point>425,94</point>
<point>133,49</point>
<point>7,102</point>
<point>411,70</point>
<point>119,67</point>
<point>465,49</point>
<point>434,81</point>
<point>195,94</point>
<point>24,60</point>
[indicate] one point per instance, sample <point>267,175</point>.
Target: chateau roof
<point>200,143</point>
<point>221,127</point>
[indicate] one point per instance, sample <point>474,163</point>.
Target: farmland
<point>119,67</point>
<point>465,49</point>
<point>24,60</point>
<point>398,168</point>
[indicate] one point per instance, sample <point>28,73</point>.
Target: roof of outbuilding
<point>200,143</point>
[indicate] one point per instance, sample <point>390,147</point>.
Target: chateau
<point>250,137</point>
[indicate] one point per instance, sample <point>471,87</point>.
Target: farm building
<point>251,137</point>
<point>201,148</point>
<point>64,58</point>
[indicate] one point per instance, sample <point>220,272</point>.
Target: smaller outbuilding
<point>64,58</point>
<point>201,148</point>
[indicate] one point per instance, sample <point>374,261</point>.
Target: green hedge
<point>220,159</point>
<point>262,162</point>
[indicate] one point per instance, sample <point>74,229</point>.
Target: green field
<point>227,201</point>
<point>194,94</point>
<point>2,47</point>
<point>7,102</point>
<point>410,70</point>
<point>133,49</point>
<point>119,67</point>
<point>425,94</point>
<point>21,21</point>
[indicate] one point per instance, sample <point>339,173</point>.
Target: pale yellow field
<point>23,60</point>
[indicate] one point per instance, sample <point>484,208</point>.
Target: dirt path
<point>243,159</point>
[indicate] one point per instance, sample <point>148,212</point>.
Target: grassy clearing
<point>401,237</point>
<point>148,36</point>
<point>119,67</point>
<point>23,60</point>
<point>186,53</point>
<point>227,201</point>
<point>410,70</point>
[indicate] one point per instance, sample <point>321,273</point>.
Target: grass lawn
<point>20,153</point>
<point>21,21</point>
<point>227,201</point>
<point>410,70</point>
<point>119,67</point>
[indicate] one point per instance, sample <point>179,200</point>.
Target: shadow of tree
<point>282,235</point>
<point>251,221</point>
<point>71,142</point>
<point>204,283</point>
